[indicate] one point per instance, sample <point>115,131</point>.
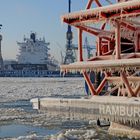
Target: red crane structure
<point>117,49</point>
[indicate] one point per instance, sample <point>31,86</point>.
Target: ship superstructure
<point>33,60</point>
<point>34,54</point>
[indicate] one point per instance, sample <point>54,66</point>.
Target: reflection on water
<point>16,130</point>
<point>54,121</point>
<point>24,104</point>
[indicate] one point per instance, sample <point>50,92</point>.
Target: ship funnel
<point>33,37</point>
<point>1,59</point>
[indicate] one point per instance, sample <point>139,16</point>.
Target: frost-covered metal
<point>116,27</point>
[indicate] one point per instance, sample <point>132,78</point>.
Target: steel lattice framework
<point>117,48</point>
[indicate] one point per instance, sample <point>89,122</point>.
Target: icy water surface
<point>28,124</point>
<point>16,130</point>
<point>23,104</point>
<point>33,127</point>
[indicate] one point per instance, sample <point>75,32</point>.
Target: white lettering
<point>108,110</point>
<point>122,111</point>
<point>102,109</point>
<point>136,111</point>
<point>129,111</point>
<point>115,110</point>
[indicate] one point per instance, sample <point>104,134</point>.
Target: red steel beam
<point>137,90</point>
<point>118,40</point>
<point>126,82</point>
<point>99,46</point>
<point>103,26</point>
<point>137,43</point>
<point>89,83</point>
<point>103,16</point>
<point>89,4</point>
<point>98,3</point>
<point>92,31</point>
<point>89,30</point>
<point>120,15</point>
<point>128,26</point>
<point>80,49</point>
<point>100,87</point>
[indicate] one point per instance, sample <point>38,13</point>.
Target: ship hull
<point>29,73</point>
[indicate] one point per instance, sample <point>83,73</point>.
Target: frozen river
<point>18,121</point>
<point>12,89</point>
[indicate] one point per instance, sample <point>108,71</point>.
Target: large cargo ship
<point>34,54</point>
<point>33,59</point>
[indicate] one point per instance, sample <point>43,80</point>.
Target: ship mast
<point>69,57</point>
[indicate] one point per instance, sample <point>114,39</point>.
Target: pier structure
<point>116,27</point>
<point>123,113</point>
<point>117,46</point>
<point>116,97</point>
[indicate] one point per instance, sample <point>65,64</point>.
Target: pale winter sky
<point>20,17</point>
